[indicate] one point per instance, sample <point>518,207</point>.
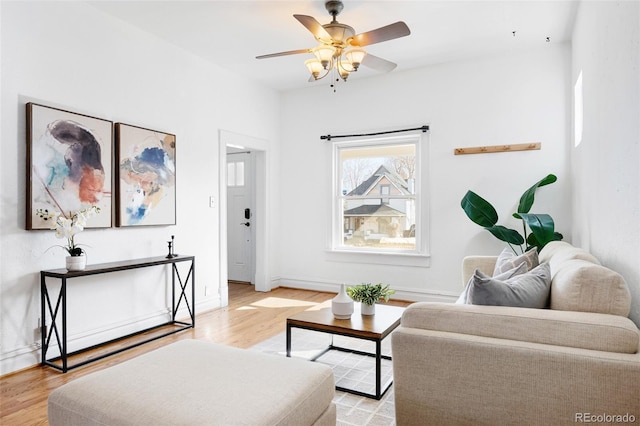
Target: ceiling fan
<point>340,50</point>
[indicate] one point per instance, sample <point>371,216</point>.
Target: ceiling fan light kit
<point>340,50</point>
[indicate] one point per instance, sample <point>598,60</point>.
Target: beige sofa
<point>577,362</point>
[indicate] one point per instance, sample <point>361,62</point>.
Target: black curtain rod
<point>329,137</point>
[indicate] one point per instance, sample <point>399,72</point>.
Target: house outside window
<point>377,198</point>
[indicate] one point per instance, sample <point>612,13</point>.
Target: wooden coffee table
<point>368,327</point>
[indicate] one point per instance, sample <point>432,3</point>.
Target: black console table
<point>59,306</point>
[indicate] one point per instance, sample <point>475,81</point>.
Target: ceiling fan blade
<point>378,64</point>
<point>288,52</point>
<point>389,32</point>
<point>314,26</point>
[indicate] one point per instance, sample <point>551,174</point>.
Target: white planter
<point>342,304</point>
<point>76,263</point>
<point>367,309</point>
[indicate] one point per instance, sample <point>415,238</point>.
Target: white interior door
<point>240,213</point>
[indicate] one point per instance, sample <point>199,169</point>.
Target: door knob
<point>245,224</point>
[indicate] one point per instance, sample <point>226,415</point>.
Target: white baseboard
<point>204,306</point>
<point>333,287</point>
<point>19,359</point>
<point>29,355</point>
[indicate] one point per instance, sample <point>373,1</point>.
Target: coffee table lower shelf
<point>381,389</point>
<point>369,328</point>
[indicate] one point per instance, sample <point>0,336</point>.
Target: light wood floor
<point>250,318</point>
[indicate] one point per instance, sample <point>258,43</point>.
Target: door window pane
<point>240,173</point>
<point>231,174</point>
<point>235,173</point>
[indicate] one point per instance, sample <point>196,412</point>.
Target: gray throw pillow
<point>529,290</point>
<point>520,269</point>
<point>508,260</point>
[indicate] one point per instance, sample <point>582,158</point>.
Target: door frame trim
<point>261,195</point>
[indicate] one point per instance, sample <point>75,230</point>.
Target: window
<point>377,195</point>
<point>577,110</point>
<point>235,173</point>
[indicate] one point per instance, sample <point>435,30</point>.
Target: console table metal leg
<point>55,328</point>
<point>63,353</point>
<point>191,276</point>
<point>288,340</point>
<point>174,309</point>
<point>43,322</point>
<point>193,292</point>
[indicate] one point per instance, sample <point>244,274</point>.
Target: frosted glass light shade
<point>314,66</point>
<point>355,57</point>
<point>324,53</point>
<point>343,73</point>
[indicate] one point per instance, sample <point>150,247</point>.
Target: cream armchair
<point>577,362</point>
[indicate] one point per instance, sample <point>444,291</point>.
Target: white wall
<point>606,180</point>
<point>70,55</point>
<point>507,99</point>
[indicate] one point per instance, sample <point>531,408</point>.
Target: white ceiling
<point>232,33</point>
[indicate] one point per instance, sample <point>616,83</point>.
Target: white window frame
<point>417,257</point>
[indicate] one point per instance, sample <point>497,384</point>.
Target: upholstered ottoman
<point>193,382</point>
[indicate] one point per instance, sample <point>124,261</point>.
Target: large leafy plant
<point>541,226</point>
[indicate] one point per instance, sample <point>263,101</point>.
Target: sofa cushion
<point>601,332</point>
<point>528,290</point>
<point>509,260</point>
<point>558,252</point>
<point>470,263</point>
<point>580,285</point>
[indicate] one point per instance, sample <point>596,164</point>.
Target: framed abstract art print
<point>69,166</point>
<point>146,176</point>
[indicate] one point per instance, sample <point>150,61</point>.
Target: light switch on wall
<point>212,201</point>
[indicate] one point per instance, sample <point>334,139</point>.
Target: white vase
<point>76,263</point>
<point>367,309</point>
<point>342,304</point>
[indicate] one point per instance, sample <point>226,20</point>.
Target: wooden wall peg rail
<point>498,148</point>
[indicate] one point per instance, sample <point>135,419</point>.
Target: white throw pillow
<point>508,260</point>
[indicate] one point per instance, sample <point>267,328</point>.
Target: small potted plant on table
<point>368,295</point>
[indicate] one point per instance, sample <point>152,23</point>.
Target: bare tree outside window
<point>355,171</point>
<point>405,166</point>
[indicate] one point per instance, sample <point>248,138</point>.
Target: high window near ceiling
<point>378,199</point>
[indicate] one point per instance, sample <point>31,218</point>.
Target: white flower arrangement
<point>68,226</point>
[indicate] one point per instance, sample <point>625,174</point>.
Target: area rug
<point>350,370</point>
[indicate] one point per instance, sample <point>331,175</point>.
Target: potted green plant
<point>369,294</point>
<point>542,227</point>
